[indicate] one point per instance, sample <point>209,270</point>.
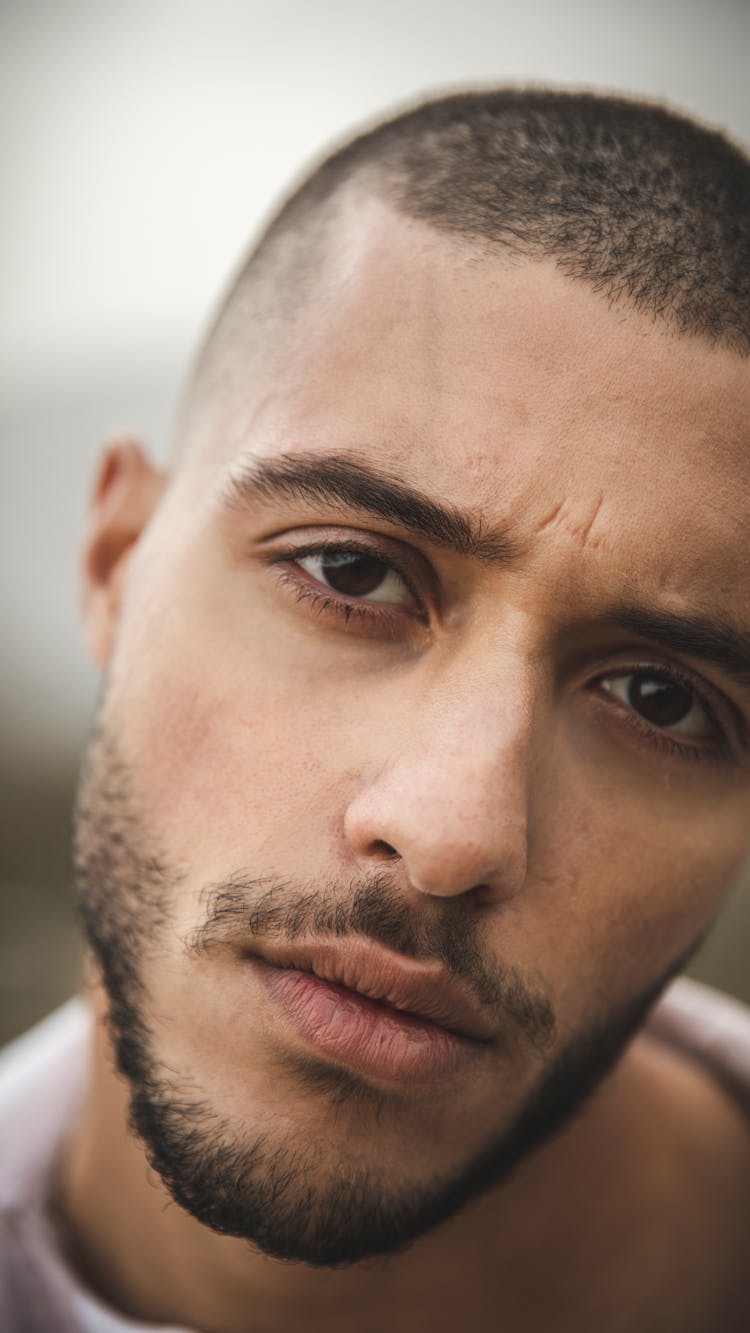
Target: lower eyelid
<point>377,616</point>
<point>713,749</point>
<point>698,701</point>
<point>291,558</point>
<point>389,570</point>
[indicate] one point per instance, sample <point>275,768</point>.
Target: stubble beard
<point>279,1195</point>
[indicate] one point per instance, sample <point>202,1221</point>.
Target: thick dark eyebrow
<point>332,480</point>
<point>709,640</point>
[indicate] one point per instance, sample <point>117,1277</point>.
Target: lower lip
<point>371,1037</point>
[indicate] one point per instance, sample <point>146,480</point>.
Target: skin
<point>479,744</point>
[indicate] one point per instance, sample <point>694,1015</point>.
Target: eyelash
<point>379,618</point>
<point>716,751</point>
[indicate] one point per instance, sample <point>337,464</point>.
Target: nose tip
<point>437,852</point>
<point>464,868</point>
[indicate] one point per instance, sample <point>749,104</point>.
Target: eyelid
<point>373,618</point>
<point>720,711</point>
<point>705,693</point>
<point>411,566</point>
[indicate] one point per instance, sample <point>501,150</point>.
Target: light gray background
<point>141,144</point>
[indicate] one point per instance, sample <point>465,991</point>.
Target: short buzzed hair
<point>642,203</point>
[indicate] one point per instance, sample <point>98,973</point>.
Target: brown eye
<point>662,701</point>
<point>357,574</point>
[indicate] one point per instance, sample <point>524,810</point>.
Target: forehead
<point>506,387</point>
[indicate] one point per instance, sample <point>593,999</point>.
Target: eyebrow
<point>332,480</point>
<point>704,638</point>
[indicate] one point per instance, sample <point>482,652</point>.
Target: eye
<point>357,574</point>
<point>663,701</point>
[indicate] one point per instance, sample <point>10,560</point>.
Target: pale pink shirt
<point>42,1079</point>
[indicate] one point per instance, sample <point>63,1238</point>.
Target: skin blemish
<point>550,518</point>
<point>581,531</point>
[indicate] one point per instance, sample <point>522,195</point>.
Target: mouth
<point>371,1009</point>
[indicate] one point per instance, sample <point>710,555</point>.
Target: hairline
<point>262,298</point>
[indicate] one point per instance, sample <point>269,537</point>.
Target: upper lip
<point>423,990</point>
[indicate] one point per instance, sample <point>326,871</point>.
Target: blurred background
<point>140,146</point>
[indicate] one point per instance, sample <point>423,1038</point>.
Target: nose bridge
<point>451,797</point>
<point>478,724</point>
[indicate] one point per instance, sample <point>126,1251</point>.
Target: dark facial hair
<point>275,1194</point>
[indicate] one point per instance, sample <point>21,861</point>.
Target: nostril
<point>381,848</point>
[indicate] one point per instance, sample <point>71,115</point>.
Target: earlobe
<point>126,490</point>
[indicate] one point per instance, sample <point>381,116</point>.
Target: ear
<point>126,491</point>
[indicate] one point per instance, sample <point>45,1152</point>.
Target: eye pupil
<point>353,572</point>
<point>659,700</point>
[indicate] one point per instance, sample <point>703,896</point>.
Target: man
<point>421,768</point>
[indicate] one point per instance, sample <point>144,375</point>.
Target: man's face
<point>499,782</point>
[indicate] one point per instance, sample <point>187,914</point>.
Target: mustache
<point>246,907</point>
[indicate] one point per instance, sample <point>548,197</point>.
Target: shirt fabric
<point>43,1078</point>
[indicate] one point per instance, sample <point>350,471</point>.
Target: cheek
<point>639,882</point>
<point>226,768</point>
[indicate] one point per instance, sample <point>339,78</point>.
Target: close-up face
<point>480,753</point>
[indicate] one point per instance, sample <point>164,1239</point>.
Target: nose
<point>449,803</point>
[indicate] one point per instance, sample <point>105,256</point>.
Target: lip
<point>371,1009</point>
